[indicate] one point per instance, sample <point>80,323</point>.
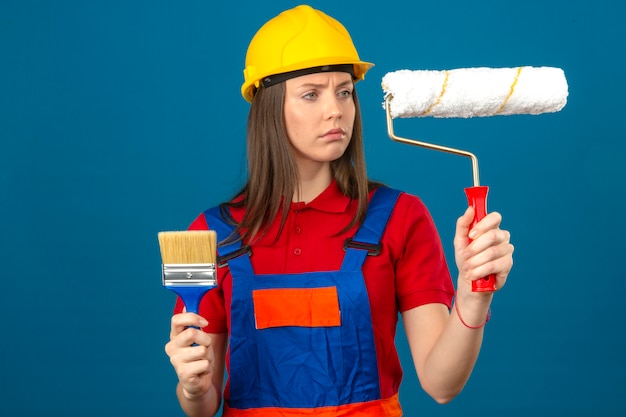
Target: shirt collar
<point>331,200</point>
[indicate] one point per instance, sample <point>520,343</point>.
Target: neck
<point>312,183</point>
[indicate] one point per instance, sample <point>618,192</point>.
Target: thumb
<point>463,224</point>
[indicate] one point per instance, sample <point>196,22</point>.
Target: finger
<point>184,338</point>
<point>200,337</point>
<point>193,375</point>
<point>490,238</point>
<point>489,253</point>
<point>191,363</point>
<point>489,222</point>
<point>496,260</point>
<point>500,266</point>
<point>182,359</point>
<point>463,225</point>
<point>189,337</point>
<point>189,319</point>
<point>186,354</point>
<point>191,371</point>
<point>183,320</point>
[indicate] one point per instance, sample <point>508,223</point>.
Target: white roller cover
<point>475,92</point>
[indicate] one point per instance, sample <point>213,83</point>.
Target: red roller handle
<point>477,198</point>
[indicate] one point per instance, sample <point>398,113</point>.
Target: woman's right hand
<point>191,353</point>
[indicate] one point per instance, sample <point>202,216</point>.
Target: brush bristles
<point>188,247</point>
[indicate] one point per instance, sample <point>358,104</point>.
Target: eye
<point>311,95</point>
<point>345,93</point>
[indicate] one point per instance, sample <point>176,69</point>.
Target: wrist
<point>191,396</point>
<point>198,404</point>
<point>476,313</point>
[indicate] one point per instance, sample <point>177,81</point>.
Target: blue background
<point>119,119</point>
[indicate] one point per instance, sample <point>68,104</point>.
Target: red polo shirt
<point>410,271</point>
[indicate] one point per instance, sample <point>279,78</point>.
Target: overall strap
<point>366,241</point>
<point>231,253</point>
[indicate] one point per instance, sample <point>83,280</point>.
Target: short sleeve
<point>422,274</point>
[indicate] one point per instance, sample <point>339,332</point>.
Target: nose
<point>333,108</point>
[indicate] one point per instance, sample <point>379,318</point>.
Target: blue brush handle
<point>191,295</point>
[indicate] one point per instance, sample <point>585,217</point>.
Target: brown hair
<point>272,170</point>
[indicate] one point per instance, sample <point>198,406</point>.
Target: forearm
<point>448,364</point>
<point>204,406</point>
<point>451,360</point>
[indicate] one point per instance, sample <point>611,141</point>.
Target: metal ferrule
<point>189,274</point>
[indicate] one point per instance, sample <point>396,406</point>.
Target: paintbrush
<point>188,267</point>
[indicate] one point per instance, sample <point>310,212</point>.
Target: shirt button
<point>297,251</point>
<point>298,229</point>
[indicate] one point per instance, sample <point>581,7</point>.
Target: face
<point>319,115</point>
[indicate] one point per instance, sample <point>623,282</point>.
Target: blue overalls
<point>304,367</point>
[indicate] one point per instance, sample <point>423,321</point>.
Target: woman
<point>316,261</point>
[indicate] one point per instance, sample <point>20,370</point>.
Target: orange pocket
<point>303,307</point>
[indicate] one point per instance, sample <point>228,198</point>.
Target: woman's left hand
<point>490,251</point>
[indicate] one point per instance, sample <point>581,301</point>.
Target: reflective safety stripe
<point>388,407</point>
<point>304,307</point>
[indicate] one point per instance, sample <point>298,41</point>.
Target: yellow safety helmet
<point>295,41</point>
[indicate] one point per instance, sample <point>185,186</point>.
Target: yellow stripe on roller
<point>444,87</point>
<point>512,89</point>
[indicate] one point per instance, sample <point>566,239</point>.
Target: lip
<point>335,134</point>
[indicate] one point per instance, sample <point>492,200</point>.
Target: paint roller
<point>472,92</point>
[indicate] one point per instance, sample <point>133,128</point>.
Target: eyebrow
<point>321,85</point>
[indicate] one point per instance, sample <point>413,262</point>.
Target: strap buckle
<point>373,249</point>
